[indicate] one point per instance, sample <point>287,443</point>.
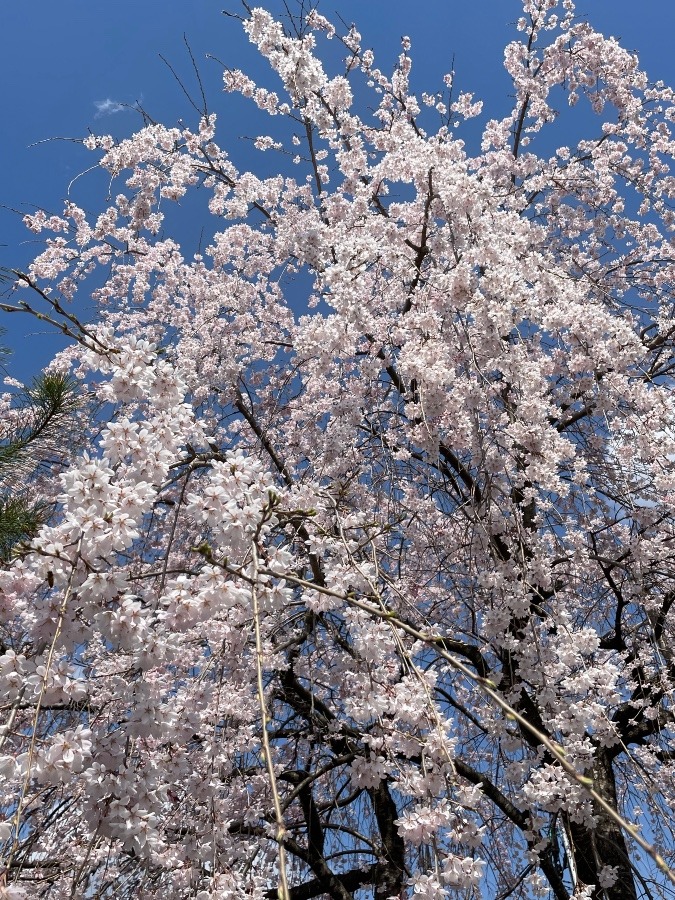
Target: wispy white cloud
<point>109,107</point>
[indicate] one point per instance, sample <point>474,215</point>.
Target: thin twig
<point>283,891</point>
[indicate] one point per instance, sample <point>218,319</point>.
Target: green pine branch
<point>49,403</point>
<point>19,521</point>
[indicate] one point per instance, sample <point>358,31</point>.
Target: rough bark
<point>605,844</point>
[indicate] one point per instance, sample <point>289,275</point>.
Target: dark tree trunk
<point>393,872</point>
<point>604,845</point>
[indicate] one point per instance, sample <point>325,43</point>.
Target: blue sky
<point>67,67</point>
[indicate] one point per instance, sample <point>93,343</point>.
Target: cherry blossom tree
<point>362,584</point>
